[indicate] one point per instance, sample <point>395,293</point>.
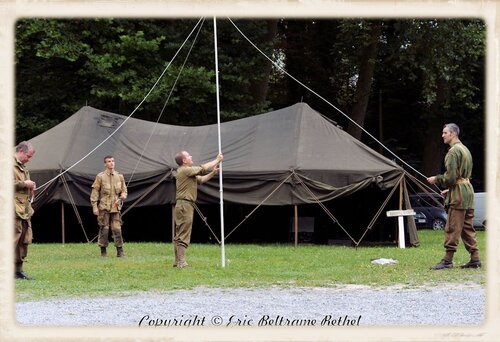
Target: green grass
<point>78,270</point>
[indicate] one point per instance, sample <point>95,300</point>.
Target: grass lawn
<point>78,269</point>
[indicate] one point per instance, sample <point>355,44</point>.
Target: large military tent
<point>289,156</point>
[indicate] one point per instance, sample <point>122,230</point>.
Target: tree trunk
<point>434,148</point>
<point>365,80</point>
<point>260,88</point>
<point>433,151</point>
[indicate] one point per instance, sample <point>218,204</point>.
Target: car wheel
<point>438,224</point>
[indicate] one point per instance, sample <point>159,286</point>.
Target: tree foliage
<point>402,78</point>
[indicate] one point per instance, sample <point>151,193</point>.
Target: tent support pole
<point>401,194</point>
<point>296,225</point>
<point>62,223</point>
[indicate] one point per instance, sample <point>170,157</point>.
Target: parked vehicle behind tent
<point>429,214</point>
<point>480,210</point>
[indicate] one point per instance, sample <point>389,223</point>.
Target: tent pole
<point>400,237</point>
<point>296,226</point>
<point>62,223</point>
<point>223,257</point>
<point>401,194</point>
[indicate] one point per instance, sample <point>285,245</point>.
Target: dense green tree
<point>112,64</point>
<point>437,67</point>
<point>402,78</point>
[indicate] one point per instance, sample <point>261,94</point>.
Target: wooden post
<point>62,224</point>
<point>401,194</point>
<point>296,226</point>
<point>401,237</point>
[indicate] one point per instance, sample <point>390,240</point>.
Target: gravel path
<point>339,306</point>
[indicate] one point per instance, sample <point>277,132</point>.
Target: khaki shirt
<point>187,181</point>
<point>458,163</point>
<point>22,194</point>
<point>107,189</point>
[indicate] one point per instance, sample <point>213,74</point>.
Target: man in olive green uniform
<point>24,189</point>
<point>187,180</point>
<point>108,192</point>
<point>459,200</point>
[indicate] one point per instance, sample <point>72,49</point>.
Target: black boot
<point>119,252</point>
<point>22,275</point>
<point>443,264</point>
<point>103,251</point>
<point>472,264</point>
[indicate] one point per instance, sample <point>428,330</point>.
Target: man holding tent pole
<point>459,200</point>
<point>187,180</point>
<point>24,190</point>
<point>108,192</point>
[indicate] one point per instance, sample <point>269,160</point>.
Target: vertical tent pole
<point>296,226</point>
<point>401,194</point>
<point>223,257</point>
<point>62,223</point>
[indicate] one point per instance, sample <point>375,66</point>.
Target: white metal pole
<point>223,257</point>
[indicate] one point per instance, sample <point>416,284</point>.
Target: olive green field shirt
<point>458,164</point>
<point>107,189</point>
<point>22,193</point>
<point>187,181</point>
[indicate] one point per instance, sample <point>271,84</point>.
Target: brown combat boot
<point>103,252</point>
<point>181,252</point>
<point>443,264</point>
<point>176,256</point>
<point>119,252</point>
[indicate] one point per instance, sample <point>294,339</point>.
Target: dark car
<point>429,214</point>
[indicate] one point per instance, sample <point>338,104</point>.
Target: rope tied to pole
<point>205,220</point>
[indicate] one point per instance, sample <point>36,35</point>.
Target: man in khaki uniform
<point>108,192</point>
<point>459,200</point>
<point>187,180</point>
<point>24,190</point>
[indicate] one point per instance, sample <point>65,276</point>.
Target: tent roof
<point>259,153</point>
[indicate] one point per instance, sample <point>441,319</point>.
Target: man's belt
<point>463,181</point>
<point>184,200</point>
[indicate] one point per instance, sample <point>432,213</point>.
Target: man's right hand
<point>96,211</point>
<point>30,184</point>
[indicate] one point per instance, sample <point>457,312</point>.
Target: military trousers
<point>107,220</point>
<point>183,216</point>
<point>23,236</point>
<point>460,225</point>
